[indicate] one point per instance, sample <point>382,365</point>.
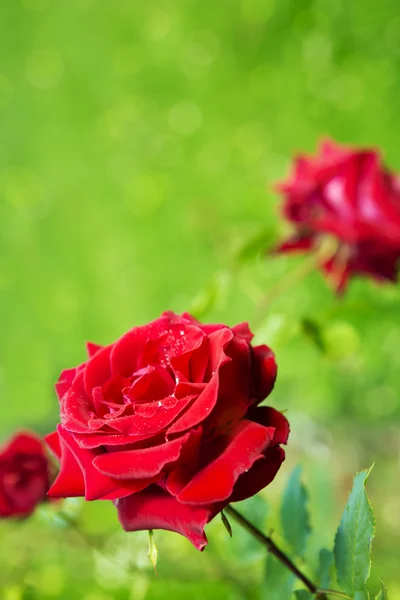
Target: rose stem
<point>271,547</point>
<point>284,285</point>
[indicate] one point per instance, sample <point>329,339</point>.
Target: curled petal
<point>97,369</point>
<point>126,351</point>
<point>214,482</point>
<point>259,476</point>
<point>69,481</point>
<point>269,417</point>
<point>141,463</point>
<point>77,465</point>
<point>264,372</point>
<point>65,381</point>
<point>242,330</point>
<point>156,509</point>
<point>234,387</point>
<point>75,406</point>
<point>92,348</point>
<point>199,410</point>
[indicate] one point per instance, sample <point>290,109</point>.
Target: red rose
<point>346,194</point>
<point>24,475</point>
<point>165,422</point>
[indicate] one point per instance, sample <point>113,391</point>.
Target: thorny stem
<point>273,549</point>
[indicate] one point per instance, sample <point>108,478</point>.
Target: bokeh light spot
<point>23,189</point>
<point>144,193</point>
<point>257,11</point>
<point>158,25</point>
<point>185,118</point>
<point>44,68</point>
<point>128,59</point>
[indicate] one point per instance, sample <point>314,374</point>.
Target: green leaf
<point>354,538</point>
<point>226,523</point>
<point>383,595</point>
<point>214,293</point>
<point>303,595</point>
<point>279,581</point>
<point>361,595</point>
<point>259,243</point>
<point>153,552</point>
<point>313,332</point>
<point>294,513</point>
<point>325,567</point>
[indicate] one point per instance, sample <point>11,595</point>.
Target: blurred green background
<point>139,145</point>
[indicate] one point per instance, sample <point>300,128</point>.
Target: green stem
<point>334,593</point>
<point>277,552</point>
<point>288,281</point>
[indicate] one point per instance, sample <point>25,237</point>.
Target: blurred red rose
<point>165,422</point>
<point>24,475</point>
<point>346,194</point>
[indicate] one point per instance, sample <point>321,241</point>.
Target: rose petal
<point>53,442</point>
<point>97,369</point>
<point>92,348</point>
<point>125,352</point>
<point>218,341</point>
<point>198,362</point>
<point>264,372</point>
<point>96,485</point>
<point>75,407</point>
<point>94,440</point>
<point>24,443</point>
<point>269,417</point>
<point>243,331</point>
<point>199,410</point>
<point>155,509</point>
<point>69,481</point>
<point>138,425</point>
<point>188,464</point>
<point>259,476</point>
<point>141,463</point>
<point>297,243</point>
<point>214,483</point>
<point>234,387</point>
<point>65,381</point>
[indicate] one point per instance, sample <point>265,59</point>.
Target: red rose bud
<point>24,475</point>
<point>165,422</point>
<point>347,195</point>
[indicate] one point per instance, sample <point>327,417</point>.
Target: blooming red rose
<point>348,195</point>
<point>166,423</point>
<point>24,475</point>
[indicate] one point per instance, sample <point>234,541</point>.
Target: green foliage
<point>279,582</point>
<point>140,142</point>
<point>325,568</point>
<point>303,595</point>
<point>259,244</point>
<point>226,523</point>
<point>354,538</point>
<point>294,514</point>
<point>383,595</point>
<point>312,330</point>
<point>213,294</point>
